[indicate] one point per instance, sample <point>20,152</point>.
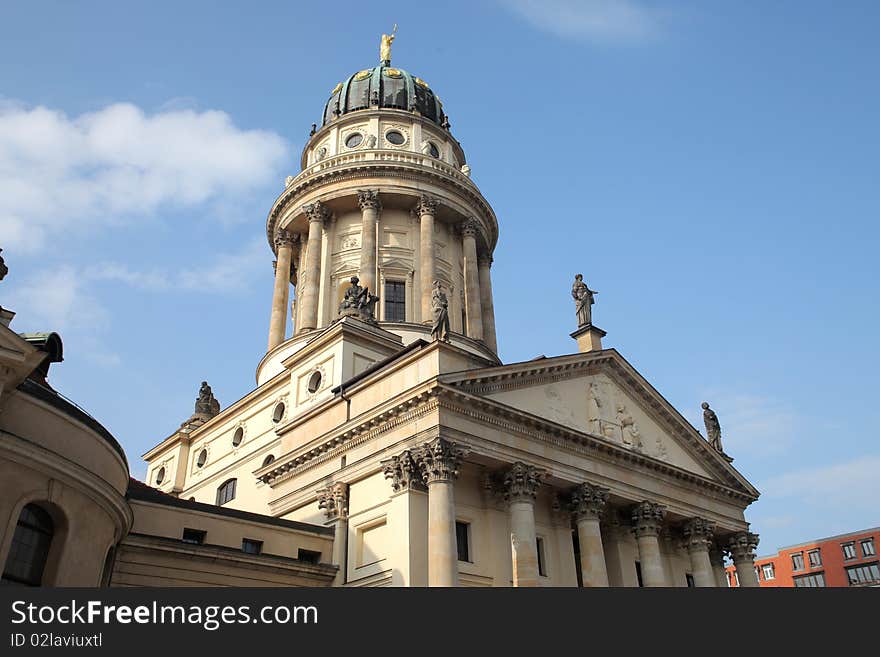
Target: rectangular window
<point>462,540</point>
<point>226,492</point>
<point>797,561</point>
<point>757,574</point>
<point>768,570</point>
<point>542,562</point>
<point>251,546</point>
<point>865,575</point>
<point>395,301</point>
<point>849,550</point>
<point>195,536</point>
<point>868,547</point>
<point>309,556</point>
<point>639,574</point>
<point>690,580</point>
<point>815,558</point>
<point>816,580</point>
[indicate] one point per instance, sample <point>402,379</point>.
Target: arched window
<point>268,460</point>
<point>30,548</point>
<point>226,492</point>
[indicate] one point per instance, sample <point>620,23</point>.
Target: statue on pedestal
<point>358,302</point>
<point>440,309</point>
<point>385,47</point>
<point>713,427</point>
<point>583,300</point>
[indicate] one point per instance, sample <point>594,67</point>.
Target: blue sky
<point>711,168</point>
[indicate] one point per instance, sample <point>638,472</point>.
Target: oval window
<point>203,458</point>
<point>314,382</point>
<point>278,413</point>
<point>395,137</point>
<point>238,436</point>
<point>268,460</point>
<point>435,152</point>
<point>160,476</point>
<point>354,140</point>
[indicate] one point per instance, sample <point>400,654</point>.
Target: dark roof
<point>138,490</point>
<point>46,394</point>
<point>48,342</point>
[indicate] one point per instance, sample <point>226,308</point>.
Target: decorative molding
<point>647,518</point>
<point>520,483</point>
<point>316,211</point>
<point>404,472</point>
<point>368,199</point>
<point>426,205</point>
<point>742,546</point>
<point>439,460</point>
<point>587,501</point>
<point>284,237</point>
<point>698,533</point>
<point>334,501</point>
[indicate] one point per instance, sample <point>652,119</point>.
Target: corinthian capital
<point>403,472</point>
<point>698,533</point>
<point>368,199</point>
<point>334,501</point>
<point>426,205</point>
<point>647,518</point>
<point>316,211</point>
<point>521,482</point>
<point>485,260</point>
<point>470,227</point>
<point>284,237</point>
<point>588,501</point>
<point>438,460</point>
<point>742,546</point>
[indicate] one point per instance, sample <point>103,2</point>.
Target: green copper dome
<point>384,87</point>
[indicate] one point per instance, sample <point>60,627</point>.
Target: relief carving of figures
<point>358,302</point>
<point>369,142</point>
<point>583,300</point>
<point>440,310</point>
<point>629,430</point>
<point>713,427</point>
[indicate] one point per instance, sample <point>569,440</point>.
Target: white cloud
<point>65,174</point>
<point>851,484</point>
<point>594,20</point>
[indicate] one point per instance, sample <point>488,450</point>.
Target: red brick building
<point>836,561</point>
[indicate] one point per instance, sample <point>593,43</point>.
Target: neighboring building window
<point>816,580</point>
<point>29,549</point>
<point>238,436</point>
<point>309,556</point>
<point>226,492</point>
<point>395,301</point>
<point>268,460</point>
<point>160,476</point>
<point>251,546</point>
<point>195,536</point>
<point>542,560</point>
<point>815,557</point>
<point>797,561</point>
<point>689,579</point>
<point>868,547</point>
<point>462,540</point>
<point>757,574</point>
<point>639,574</point>
<point>849,550</point>
<point>768,570</point>
<point>868,573</point>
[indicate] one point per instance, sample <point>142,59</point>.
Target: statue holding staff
<point>583,300</point>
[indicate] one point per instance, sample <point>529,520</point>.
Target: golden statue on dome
<point>385,47</point>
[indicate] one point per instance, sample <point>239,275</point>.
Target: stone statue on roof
<point>206,403</point>
<point>385,47</point>
<point>583,300</point>
<point>358,302</point>
<point>713,427</point>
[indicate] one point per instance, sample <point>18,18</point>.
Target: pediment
<point>603,395</point>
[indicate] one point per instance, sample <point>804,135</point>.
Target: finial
<point>385,47</point>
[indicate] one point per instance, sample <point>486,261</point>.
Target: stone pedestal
<point>647,519</point>
<point>698,538</point>
<point>589,338</point>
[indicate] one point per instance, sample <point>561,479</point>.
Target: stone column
<point>716,556</point>
<point>520,486</point>
<point>438,461</point>
<point>427,270</point>
<point>698,539</point>
<point>587,504</point>
<point>484,263</point>
<point>310,277</point>
<point>334,501</point>
<point>369,202</point>
<point>647,520</point>
<point>281,293</point>
<point>742,549</point>
<point>472,280</point>
<point>407,521</point>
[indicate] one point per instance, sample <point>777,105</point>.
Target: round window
<point>203,458</point>
<point>395,137</point>
<point>314,382</point>
<point>160,476</point>
<point>238,436</point>
<point>278,413</point>
<point>354,140</point>
<point>435,152</point>
<point>268,460</point>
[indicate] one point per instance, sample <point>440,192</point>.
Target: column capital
<point>426,205</point>
<point>284,237</point>
<point>469,227</point>
<point>403,472</point>
<point>334,500</point>
<point>521,482</point>
<point>485,260</point>
<point>588,501</point>
<point>368,199</point>
<point>647,518</point>
<point>316,211</point>
<point>439,460</point>
<point>742,546</point>
<point>698,533</point>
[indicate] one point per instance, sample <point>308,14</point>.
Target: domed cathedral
<point>383,414</point>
